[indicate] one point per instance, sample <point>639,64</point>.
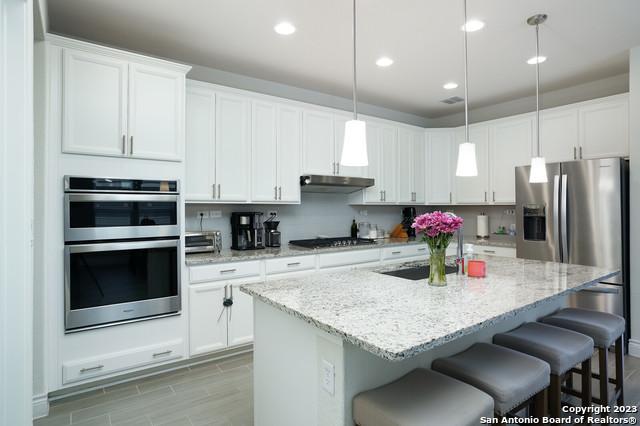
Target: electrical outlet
<point>215,214</point>
<point>203,215</point>
<point>328,377</point>
<point>273,213</point>
<point>364,213</point>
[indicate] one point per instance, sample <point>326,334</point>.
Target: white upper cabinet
<point>200,144</point>
<point>318,148</point>
<point>156,112</point>
<point>264,151</point>
<point>474,190</point>
<point>604,128</point>
<point>341,169</point>
<point>388,158</point>
<point>373,194</point>
<point>558,134</point>
<point>509,147</point>
<point>441,156</point>
<point>289,153</point>
<point>94,104</point>
<point>410,166</point>
<point>232,147</point>
<point>120,104</point>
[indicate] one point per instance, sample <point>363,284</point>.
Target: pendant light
<point>538,172</point>
<point>354,149</point>
<point>467,163</point>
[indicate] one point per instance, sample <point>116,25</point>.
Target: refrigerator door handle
<point>563,220</point>
<point>556,215</point>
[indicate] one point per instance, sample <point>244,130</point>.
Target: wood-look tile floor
<point>215,393</point>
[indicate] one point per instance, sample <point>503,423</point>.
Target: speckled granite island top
<point>396,318</point>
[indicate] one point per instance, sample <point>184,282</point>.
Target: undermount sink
<point>418,272</point>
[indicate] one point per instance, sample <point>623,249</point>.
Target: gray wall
<point>634,187</point>
<point>331,215</point>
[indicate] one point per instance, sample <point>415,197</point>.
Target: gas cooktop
<point>331,242</point>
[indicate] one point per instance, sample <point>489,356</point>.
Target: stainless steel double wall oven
<point>122,250</point>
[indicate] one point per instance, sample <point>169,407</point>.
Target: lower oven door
<point>108,283</point>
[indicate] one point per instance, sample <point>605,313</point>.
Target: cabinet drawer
<point>495,251</point>
<point>347,257</point>
<point>223,271</point>
<point>402,252</point>
<point>290,264</point>
<point>84,369</point>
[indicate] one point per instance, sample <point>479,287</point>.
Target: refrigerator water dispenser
<point>535,222</point>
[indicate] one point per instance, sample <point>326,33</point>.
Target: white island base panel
<point>289,366</point>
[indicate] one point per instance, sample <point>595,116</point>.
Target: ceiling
<point>585,40</point>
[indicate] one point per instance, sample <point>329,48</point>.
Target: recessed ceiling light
<point>384,61</point>
<point>450,85</point>
<point>472,25</point>
<point>285,28</point>
<point>536,60</point>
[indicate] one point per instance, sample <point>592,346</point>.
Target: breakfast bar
<point>322,339</point>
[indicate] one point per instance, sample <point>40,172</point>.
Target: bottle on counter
<point>354,229</point>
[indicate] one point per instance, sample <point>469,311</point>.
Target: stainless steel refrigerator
<point>580,216</point>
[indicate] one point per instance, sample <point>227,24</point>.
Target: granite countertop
<point>412,317</point>
<point>228,255</point>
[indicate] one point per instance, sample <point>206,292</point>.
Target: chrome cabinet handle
<point>338,166</point>
<point>275,192</point>
<point>485,196</point>
<point>422,249</point>
<point>231,291</point>
<point>228,271</point>
<point>124,145</point>
<point>396,252</point>
<point>158,354</point>
<point>89,369</point>
<point>130,145</point>
<point>214,191</point>
<point>581,153</point>
<point>280,193</point>
<point>450,197</point>
<point>489,251</point>
<point>380,195</point>
<point>334,167</point>
<point>292,264</point>
<point>385,195</point>
<point>575,153</point>
<point>219,191</point>
<point>494,196</point>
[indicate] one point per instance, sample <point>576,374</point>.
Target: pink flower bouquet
<point>437,229</point>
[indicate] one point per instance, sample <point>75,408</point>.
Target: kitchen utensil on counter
<point>477,268</point>
<point>247,231</point>
<point>203,242</point>
<point>482,226</point>
<point>363,229</point>
<point>399,232</point>
<point>272,235</point>
<point>408,216</point>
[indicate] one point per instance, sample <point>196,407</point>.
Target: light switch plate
<point>328,377</point>
<point>214,214</point>
<point>203,214</point>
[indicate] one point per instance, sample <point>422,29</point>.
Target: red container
<point>477,268</point>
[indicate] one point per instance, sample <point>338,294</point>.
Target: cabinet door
<point>240,317</point>
<point>509,148</point>
<point>156,113</point>
<point>232,147</point>
<point>94,104</point>
<point>289,148</point>
<point>318,150</point>
<point>388,154</point>
<point>405,166</point>
<point>339,123</point>
<point>373,194</point>
<point>419,166</point>
<point>200,144</point>
<point>474,190</point>
<point>441,166</point>
<point>604,129</point>
<point>558,135</point>
<point>207,318</point>
<point>264,153</point>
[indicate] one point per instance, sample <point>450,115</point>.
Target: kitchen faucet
<point>460,252</point>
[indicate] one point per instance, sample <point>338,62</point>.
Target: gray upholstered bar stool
<point>513,379</point>
<point>606,330</point>
<point>422,398</point>
<point>561,348</point>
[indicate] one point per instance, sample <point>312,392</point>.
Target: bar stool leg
<point>586,383</point>
<point>540,404</point>
<point>555,395</point>
<point>603,358</point>
<point>620,369</point>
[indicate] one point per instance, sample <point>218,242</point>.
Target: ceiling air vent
<point>452,100</point>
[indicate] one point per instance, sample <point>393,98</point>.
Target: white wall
<point>329,214</point>
<point>16,211</point>
<point>634,187</point>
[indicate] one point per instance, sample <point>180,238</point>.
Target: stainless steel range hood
<point>340,184</point>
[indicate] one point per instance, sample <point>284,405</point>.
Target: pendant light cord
<point>466,78</point>
<point>538,89</point>
<point>355,81</point>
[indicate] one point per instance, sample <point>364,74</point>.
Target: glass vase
<point>437,272</point>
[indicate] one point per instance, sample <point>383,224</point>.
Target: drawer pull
<point>90,369</point>
<point>422,249</point>
<point>159,354</point>
<point>228,271</point>
<point>396,252</point>
<point>292,264</point>
<point>489,251</point>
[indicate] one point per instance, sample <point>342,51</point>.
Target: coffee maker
<point>247,232</point>
<point>408,216</point>
<point>272,235</point>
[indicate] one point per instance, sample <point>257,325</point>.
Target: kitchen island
<point>322,339</point>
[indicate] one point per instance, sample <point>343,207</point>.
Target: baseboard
<point>40,406</point>
<point>634,348</point>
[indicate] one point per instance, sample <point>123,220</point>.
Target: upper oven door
<point>90,217</point>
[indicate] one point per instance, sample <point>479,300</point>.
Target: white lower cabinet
<point>95,367</point>
<point>404,253</point>
<point>286,265</point>
<point>348,258</point>
<point>240,317</point>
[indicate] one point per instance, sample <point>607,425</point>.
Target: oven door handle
<point>75,198</point>
<point>127,245</point>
